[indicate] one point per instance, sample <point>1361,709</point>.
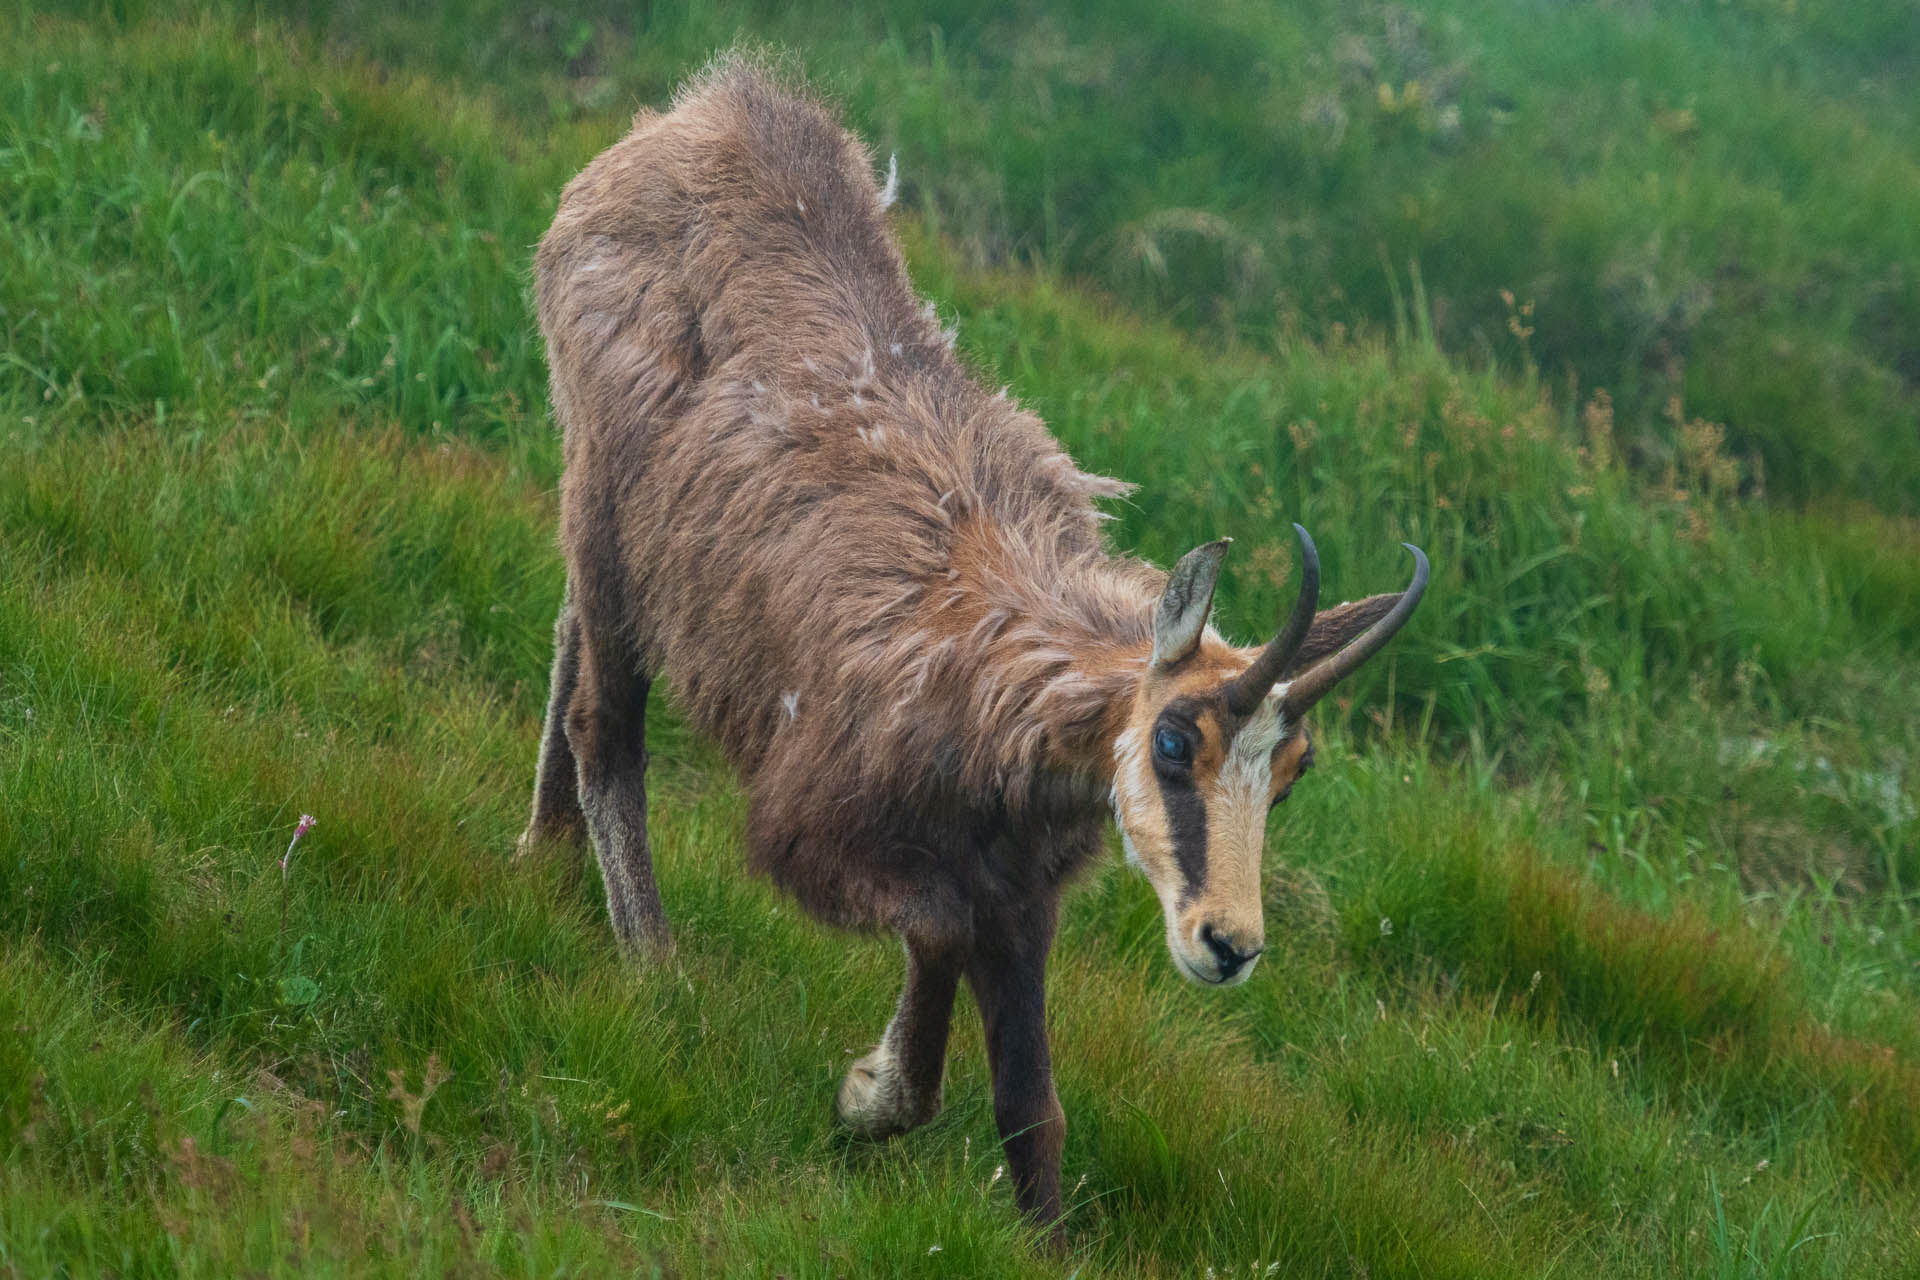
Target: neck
<point>1041,673</point>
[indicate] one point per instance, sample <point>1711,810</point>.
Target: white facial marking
<point>1131,792</point>
<point>1249,768</point>
<point>1136,806</point>
<point>1237,810</point>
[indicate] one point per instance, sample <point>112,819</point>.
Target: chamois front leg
<point>897,1086</point>
<point>556,787</point>
<point>607,732</point>
<point>1008,975</point>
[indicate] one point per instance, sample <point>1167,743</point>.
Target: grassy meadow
<point>1592,942</point>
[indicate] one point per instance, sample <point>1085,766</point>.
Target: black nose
<point>1230,958</point>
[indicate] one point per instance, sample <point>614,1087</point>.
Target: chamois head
<point>1215,739</point>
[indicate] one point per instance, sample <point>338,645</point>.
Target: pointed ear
<point>1182,612</point>
<point>1332,628</point>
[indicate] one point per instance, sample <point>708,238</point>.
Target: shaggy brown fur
<point>880,587</point>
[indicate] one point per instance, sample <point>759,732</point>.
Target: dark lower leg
<point>1008,976</point>
<point>897,1086</point>
<point>606,729</point>
<point>556,787</point>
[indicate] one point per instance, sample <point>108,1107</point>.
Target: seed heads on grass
<point>412,1104</point>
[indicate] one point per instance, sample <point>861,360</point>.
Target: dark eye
<point>1171,747</point>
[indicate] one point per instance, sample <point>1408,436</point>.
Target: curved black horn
<point>1312,684</point>
<point>1247,689</point>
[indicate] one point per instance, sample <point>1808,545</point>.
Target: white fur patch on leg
<point>873,1099</point>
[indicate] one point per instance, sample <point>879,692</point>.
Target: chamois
<point>884,590</point>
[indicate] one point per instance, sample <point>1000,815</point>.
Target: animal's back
<point>764,427</point>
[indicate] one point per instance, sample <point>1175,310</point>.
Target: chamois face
<point>1215,738</point>
<point>1193,785</point>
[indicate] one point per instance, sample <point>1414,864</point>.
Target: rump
<point>743,228</point>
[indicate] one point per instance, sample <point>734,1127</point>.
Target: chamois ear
<point>1332,628</point>
<point>1182,612</point>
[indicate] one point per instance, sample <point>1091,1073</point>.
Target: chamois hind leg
<point>1008,976</point>
<point>607,733</point>
<point>897,1086</point>
<point>556,787</point>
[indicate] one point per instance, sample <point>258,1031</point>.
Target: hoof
<point>873,1100</point>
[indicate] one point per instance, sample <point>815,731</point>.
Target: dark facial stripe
<point>1187,827</point>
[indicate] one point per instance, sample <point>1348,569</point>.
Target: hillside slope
<point>1593,944</point>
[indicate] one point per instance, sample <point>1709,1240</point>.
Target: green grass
<point>1594,945</point>
<point>1719,201</point>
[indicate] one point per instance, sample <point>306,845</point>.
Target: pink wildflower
<point>305,825</point>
